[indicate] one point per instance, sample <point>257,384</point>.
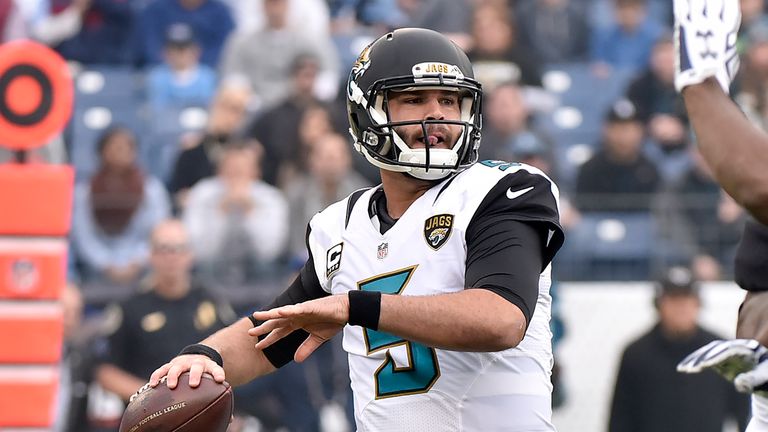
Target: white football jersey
<point>404,386</point>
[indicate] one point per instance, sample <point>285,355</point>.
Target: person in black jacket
<point>155,323</point>
<point>618,177</point>
<point>650,396</point>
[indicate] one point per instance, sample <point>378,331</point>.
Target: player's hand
<point>322,318</point>
<point>728,358</point>
<point>705,41</point>
<point>755,380</point>
<point>196,364</point>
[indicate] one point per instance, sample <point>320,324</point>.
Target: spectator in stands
<point>330,178</point>
<point>267,64</point>
<point>200,154</point>
<point>238,224</point>
<point>311,17</point>
<point>650,396</point>
<point>276,128</point>
<point>449,17</point>
<point>556,30</point>
<point>315,123</point>
<point>506,115</point>
<point>115,210</point>
<point>12,21</point>
<point>181,80</point>
<point>210,20</point>
<point>496,55</point>
<point>628,42</point>
<point>653,92</point>
<point>87,31</point>
<point>710,221</point>
<point>659,107</point>
<point>618,177</point>
<point>174,310</point>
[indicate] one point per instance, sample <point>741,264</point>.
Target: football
<point>184,409</point>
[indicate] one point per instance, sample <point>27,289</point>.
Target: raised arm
<point>735,149</point>
<point>707,59</point>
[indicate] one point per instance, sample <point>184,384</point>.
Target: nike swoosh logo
<point>514,194</point>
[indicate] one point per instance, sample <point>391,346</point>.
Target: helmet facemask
<point>383,146</point>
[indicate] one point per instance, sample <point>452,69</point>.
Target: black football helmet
<point>405,60</point>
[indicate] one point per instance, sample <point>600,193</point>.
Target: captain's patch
<point>333,260</point>
<point>437,229</point>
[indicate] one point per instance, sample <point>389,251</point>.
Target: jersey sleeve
<point>524,196</point>
<point>306,286</point>
<point>324,248</point>
<point>512,238</point>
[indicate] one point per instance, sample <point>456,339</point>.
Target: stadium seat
<point>610,246</point>
<point>160,146</point>
<point>105,96</point>
<point>99,85</point>
<point>584,99</point>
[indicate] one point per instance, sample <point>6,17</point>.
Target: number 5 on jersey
<point>423,369</point>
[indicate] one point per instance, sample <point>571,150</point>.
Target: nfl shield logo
<point>23,275</point>
<point>383,250</point>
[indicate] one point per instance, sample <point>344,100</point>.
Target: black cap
<point>622,110</point>
<point>677,281</point>
<point>180,35</point>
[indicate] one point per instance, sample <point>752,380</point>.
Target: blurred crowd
<point>237,124</point>
<point>229,116</point>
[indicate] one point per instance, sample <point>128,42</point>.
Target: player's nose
<point>434,109</point>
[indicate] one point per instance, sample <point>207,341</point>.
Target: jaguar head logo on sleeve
<point>437,230</point>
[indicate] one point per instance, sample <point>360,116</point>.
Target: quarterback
<point>438,278</point>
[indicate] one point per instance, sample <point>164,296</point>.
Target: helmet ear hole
<point>411,59</point>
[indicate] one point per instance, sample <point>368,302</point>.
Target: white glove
<point>705,41</point>
<point>728,358</point>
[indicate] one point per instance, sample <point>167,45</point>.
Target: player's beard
<point>411,134</point>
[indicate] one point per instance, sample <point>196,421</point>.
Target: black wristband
<point>204,350</point>
<point>364,308</point>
